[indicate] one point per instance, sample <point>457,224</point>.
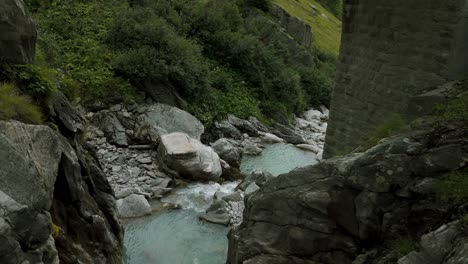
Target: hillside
<point>326,27</point>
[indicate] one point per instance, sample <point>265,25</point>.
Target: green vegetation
<point>218,55</point>
<point>454,188</point>
<point>391,126</point>
<point>454,109</point>
<point>403,246</point>
<point>70,37</point>
<point>326,28</point>
<point>16,106</point>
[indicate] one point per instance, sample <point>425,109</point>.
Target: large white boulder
<point>188,157</point>
<point>160,119</point>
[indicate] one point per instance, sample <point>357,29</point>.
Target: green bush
<point>389,127</point>
<point>317,87</point>
<point>16,106</point>
<point>150,48</point>
<point>228,95</point>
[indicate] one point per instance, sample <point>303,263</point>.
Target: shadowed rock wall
<point>391,51</point>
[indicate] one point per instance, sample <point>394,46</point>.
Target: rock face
<point>188,157</point>
<point>164,119</point>
<point>18,38</point>
<point>331,212</point>
<point>378,73</point>
<point>45,182</point>
<point>299,30</point>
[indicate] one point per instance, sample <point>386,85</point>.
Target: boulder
<point>288,134</point>
<point>132,206</point>
<point>251,188</point>
<point>18,33</point>
<point>309,147</point>
<point>227,130</point>
<point>259,126</point>
<point>216,217</point>
<point>160,119</point>
<point>244,126</point>
<point>229,151</point>
<point>252,149</point>
<point>313,115</point>
<point>270,138</point>
<point>188,157</point>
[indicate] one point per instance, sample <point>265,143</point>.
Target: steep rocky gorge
<point>56,205</point>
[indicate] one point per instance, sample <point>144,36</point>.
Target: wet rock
<point>309,147</point>
<point>252,149</point>
<point>216,217</point>
<point>132,206</point>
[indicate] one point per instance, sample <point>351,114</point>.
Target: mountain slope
<point>326,27</point>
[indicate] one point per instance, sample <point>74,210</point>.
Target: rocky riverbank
<point>148,151</point>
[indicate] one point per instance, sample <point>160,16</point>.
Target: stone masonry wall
<point>391,51</point>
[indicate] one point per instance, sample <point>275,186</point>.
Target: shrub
<point>263,5</point>
<point>228,95</point>
<point>389,127</point>
<point>454,188</point>
<point>317,87</point>
<point>18,107</point>
<point>150,48</point>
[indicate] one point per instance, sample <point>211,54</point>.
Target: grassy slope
<point>326,32</point>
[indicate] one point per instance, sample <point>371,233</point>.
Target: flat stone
<point>253,187</point>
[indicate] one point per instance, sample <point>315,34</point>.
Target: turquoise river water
<point>179,237</point>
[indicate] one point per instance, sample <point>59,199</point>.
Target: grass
<point>326,32</point>
<point>454,188</point>
<point>454,109</point>
<point>388,128</point>
<point>403,246</point>
<point>17,107</point>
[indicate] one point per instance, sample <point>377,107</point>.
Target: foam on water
<point>198,196</point>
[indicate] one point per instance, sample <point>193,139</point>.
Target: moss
<point>16,106</point>
<point>55,230</point>
<point>326,28</point>
<point>404,245</point>
<point>454,188</point>
<point>453,109</point>
<point>389,127</point>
